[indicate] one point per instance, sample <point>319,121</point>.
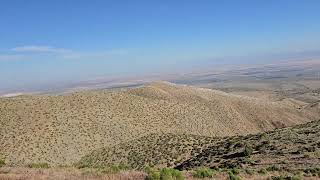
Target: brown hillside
<point>61,129</point>
<point>296,147</point>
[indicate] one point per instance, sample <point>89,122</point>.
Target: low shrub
<point>263,171</point>
<point>203,172</point>
<point>113,168</point>
<point>2,163</point>
<point>118,168</point>
<point>235,171</point>
<point>249,171</point>
<point>285,178</point>
<point>233,176</point>
<point>312,171</point>
<point>169,173</point>
<point>273,168</point>
<point>163,174</point>
<point>39,165</point>
<point>248,150</point>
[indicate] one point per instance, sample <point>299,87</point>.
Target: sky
<point>45,42</point>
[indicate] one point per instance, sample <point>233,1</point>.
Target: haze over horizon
<point>54,42</point>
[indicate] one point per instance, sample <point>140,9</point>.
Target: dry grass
<point>59,130</point>
<point>92,174</point>
<point>66,174</point>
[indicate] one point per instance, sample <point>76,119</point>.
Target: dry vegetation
<point>69,173</point>
<point>287,152</point>
<point>290,148</point>
<point>59,130</point>
<point>162,150</point>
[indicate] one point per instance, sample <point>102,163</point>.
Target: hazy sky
<point>53,41</point>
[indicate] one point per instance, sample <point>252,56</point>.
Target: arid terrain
<point>59,130</point>
<point>286,153</point>
<point>299,80</point>
<point>159,90</point>
<point>262,122</point>
<point>292,150</point>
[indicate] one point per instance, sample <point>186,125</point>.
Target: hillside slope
<point>61,129</point>
<point>289,148</point>
<point>154,149</point>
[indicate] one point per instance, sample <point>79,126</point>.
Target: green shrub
<point>163,174</point>
<point>203,172</point>
<point>2,163</point>
<point>263,135</point>
<point>39,165</point>
<point>153,175</point>
<point>296,177</point>
<point>169,173</point>
<point>273,168</point>
<point>277,178</point>
<point>235,171</point>
<point>113,168</point>
<point>249,171</point>
<point>263,171</point>
<point>233,176</point>
<point>149,169</point>
<point>118,168</point>
<point>247,150</point>
<point>103,169</point>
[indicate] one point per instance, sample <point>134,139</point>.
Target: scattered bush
<point>203,172</point>
<point>118,168</point>
<point>247,150</point>
<point>113,168</point>
<point>163,174</point>
<point>263,171</point>
<point>249,171</point>
<point>312,171</point>
<point>235,171</point>
<point>148,169</point>
<point>39,165</point>
<point>312,154</point>
<point>285,178</point>
<point>2,163</point>
<point>263,135</point>
<point>169,173</point>
<point>233,176</point>
<point>153,174</point>
<point>273,168</point>
<point>103,169</point>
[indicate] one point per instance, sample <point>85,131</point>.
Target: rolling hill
<point>61,129</point>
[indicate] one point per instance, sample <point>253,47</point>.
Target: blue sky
<point>46,42</point>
